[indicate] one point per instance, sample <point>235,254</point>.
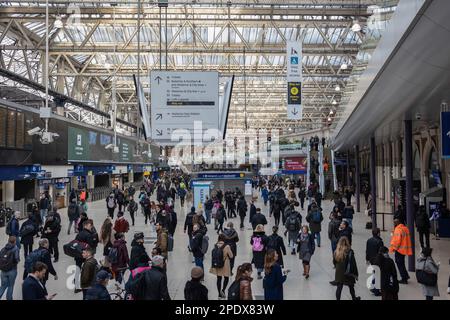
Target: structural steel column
<point>373,181</point>
<point>409,192</point>
<point>348,168</point>
<point>357,179</point>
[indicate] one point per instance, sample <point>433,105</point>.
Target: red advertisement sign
<point>295,164</point>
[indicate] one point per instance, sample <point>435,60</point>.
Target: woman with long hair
<point>273,277</point>
<point>107,238</point>
<point>346,268</point>
<point>225,270</point>
<point>244,277</point>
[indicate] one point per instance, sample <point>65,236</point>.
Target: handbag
<point>348,268</point>
<point>426,278</point>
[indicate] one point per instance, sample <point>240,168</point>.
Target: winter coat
<point>155,284</point>
<point>347,232</point>
<point>32,289</point>
<point>258,256</point>
<point>29,238</point>
<point>196,244</point>
<point>429,266</point>
<point>242,207</point>
<point>273,283</point>
<point>279,246</point>
<point>52,228</point>
<point>188,222</point>
<point>422,221</point>
<point>373,246</point>
<point>305,248</point>
<point>89,237</point>
<point>162,242</point>
<point>97,292</point>
<point>388,274</point>
<point>138,255</point>
<point>257,219</point>
<point>231,239</point>
<point>225,271</point>
<point>252,212</point>
<point>333,229</point>
<point>341,266</point>
<point>73,211</point>
<point>314,227</point>
<point>123,259</point>
<point>245,288</point>
<point>88,273</point>
<point>195,290</point>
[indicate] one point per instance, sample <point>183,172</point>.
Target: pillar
<point>348,167</point>
<point>373,181</point>
<point>357,179</point>
<point>409,191</point>
<point>8,191</point>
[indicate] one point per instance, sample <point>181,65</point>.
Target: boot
<point>307,271</point>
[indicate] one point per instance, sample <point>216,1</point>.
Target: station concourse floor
<point>180,261</point>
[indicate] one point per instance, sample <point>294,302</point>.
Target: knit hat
<point>120,214</point>
<point>196,273</point>
<point>158,261</point>
<point>103,275</point>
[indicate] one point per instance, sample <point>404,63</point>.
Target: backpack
<point>315,217</point>
<point>75,248</point>
<point>113,255</point>
<point>7,259</point>
<point>111,203</point>
<point>234,292</point>
<point>32,258</point>
<point>205,244</point>
<point>169,243</point>
<point>135,286</point>
<point>26,230</point>
<point>292,223</point>
<point>257,245</point>
<point>219,214</point>
<point>8,228</point>
<point>272,243</point>
<point>217,260</point>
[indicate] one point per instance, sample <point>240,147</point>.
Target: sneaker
<point>222,294</point>
<point>333,283</point>
<point>259,277</point>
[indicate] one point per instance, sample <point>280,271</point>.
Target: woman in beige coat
<point>225,271</point>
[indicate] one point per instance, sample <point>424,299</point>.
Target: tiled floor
<point>295,288</point>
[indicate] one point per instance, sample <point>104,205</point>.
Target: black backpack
<point>135,287</point>
<point>234,292</point>
<point>8,228</point>
<point>217,257</point>
<point>27,230</point>
<point>292,224</point>
<point>7,259</point>
<point>272,243</point>
<point>32,258</point>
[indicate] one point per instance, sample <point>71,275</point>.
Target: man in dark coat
<point>276,243</point>
<point>252,211</point>
<point>28,230</point>
<point>242,210</point>
<point>32,287</point>
<point>41,254</point>
<point>52,228</point>
<point>423,226</point>
<point>88,271</point>
<point>156,281</point>
<point>89,236</point>
<point>388,278</point>
<point>196,246</point>
<point>258,218</point>
<point>373,247</point>
<point>345,231</point>
<point>188,224</point>
<point>98,291</point>
<point>194,289</point>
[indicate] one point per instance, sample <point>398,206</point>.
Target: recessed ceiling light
<point>58,23</point>
<point>344,66</point>
<point>337,88</point>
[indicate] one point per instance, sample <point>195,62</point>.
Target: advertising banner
<point>295,164</point>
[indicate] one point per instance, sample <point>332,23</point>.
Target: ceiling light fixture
<point>58,23</point>
<point>344,66</point>
<point>356,26</point>
<point>331,112</point>
<point>337,88</point>
<point>334,102</point>
<point>329,119</point>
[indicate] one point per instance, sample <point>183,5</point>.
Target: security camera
<point>110,146</point>
<point>444,105</point>
<point>418,116</point>
<point>48,137</point>
<point>34,131</point>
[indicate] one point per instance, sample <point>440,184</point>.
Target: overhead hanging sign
<point>445,132</point>
<point>294,80</point>
<point>180,98</point>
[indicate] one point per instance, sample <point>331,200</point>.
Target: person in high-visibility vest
<point>401,245</point>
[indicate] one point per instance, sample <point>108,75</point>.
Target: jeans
<point>111,213</point>
<point>199,262</point>
<point>53,247</point>
<point>18,242</point>
<point>8,279</point>
<point>317,237</point>
<point>428,297</point>
<point>72,222</point>
<point>424,234</point>
<point>333,245</point>
<point>43,215</point>
<point>242,222</point>
<point>349,222</point>
<point>208,216</point>
<point>400,262</point>
<point>27,249</point>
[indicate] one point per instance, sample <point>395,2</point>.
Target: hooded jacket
<point>231,239</point>
<point>138,255</point>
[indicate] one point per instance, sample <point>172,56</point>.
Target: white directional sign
<point>294,80</point>
<point>180,98</point>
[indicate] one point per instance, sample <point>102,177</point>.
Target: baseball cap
<point>158,261</point>
<point>103,275</point>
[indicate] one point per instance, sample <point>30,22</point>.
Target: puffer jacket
<point>231,239</point>
<point>246,288</point>
<point>155,285</point>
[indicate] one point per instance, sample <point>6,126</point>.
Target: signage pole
<point>308,167</point>
<point>335,186</point>
<point>321,173</point>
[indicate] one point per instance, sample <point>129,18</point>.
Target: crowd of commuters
<point>296,228</point>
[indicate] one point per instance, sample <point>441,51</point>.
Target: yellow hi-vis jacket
<point>401,241</point>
